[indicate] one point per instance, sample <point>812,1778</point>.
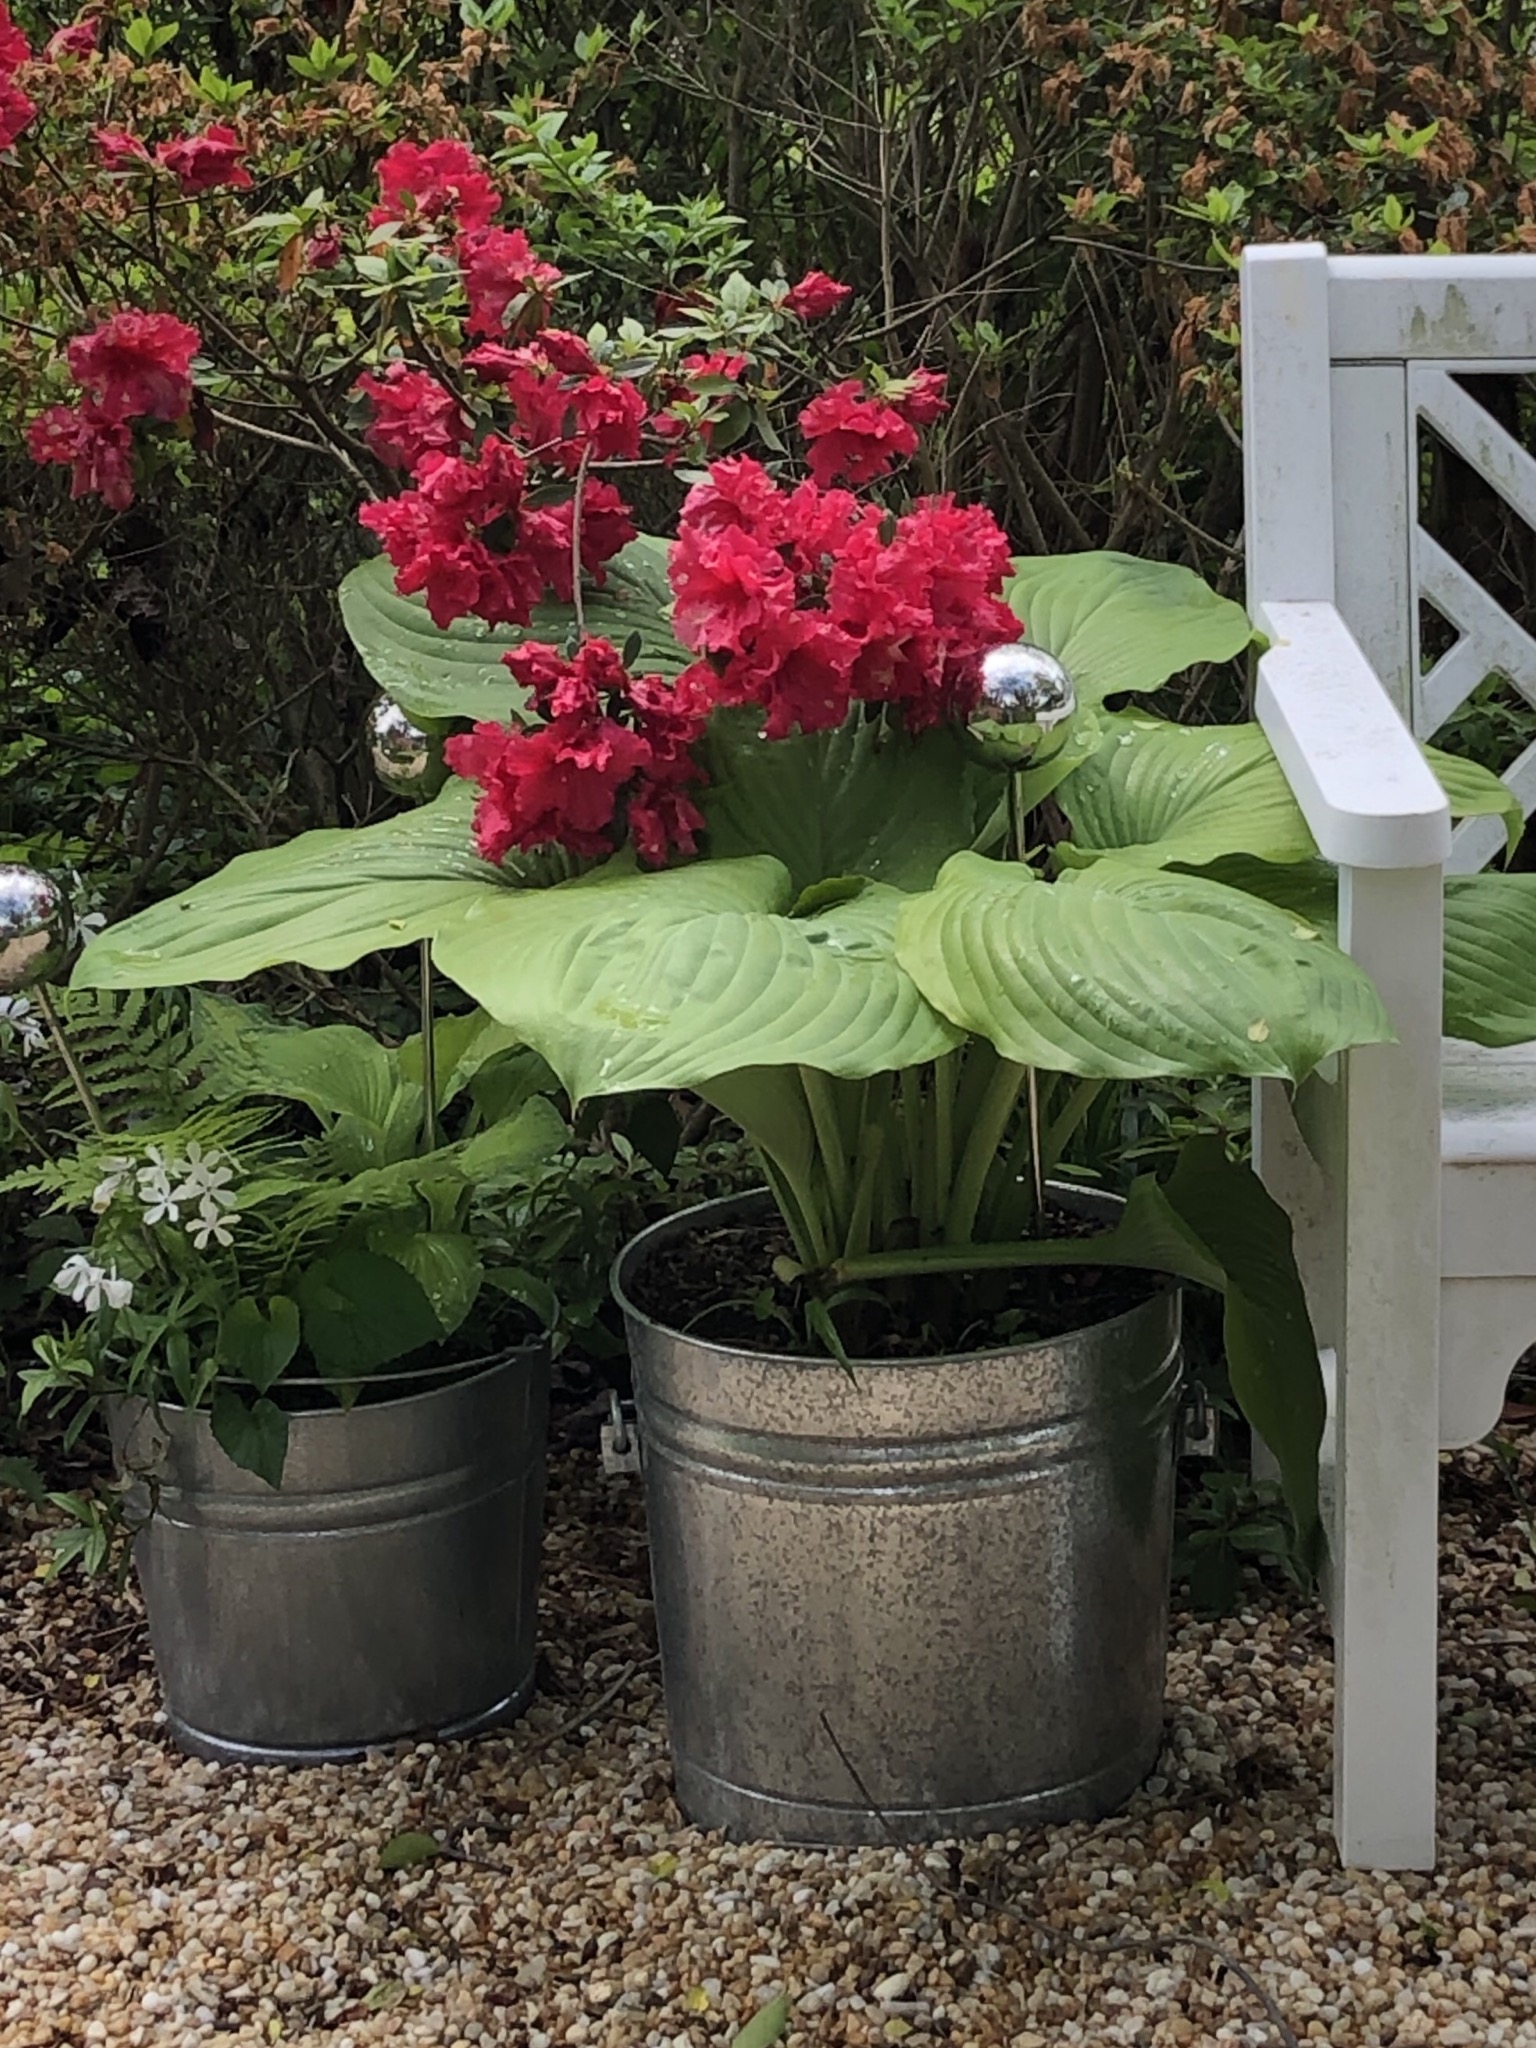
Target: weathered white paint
<point>1416,308</point>
<point>1413,1221</point>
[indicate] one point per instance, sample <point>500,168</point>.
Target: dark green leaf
<point>257,1344</point>
<point>361,1311</point>
<point>251,1434</point>
<point>865,799</point>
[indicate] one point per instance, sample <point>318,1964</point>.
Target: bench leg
<point>1384,1540</point>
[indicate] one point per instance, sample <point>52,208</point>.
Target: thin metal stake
<point>71,1064</point>
<point>1016,851</point>
<point>1032,1085</point>
<point>428,1054</point>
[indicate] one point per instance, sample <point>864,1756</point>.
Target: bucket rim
<point>1165,1288</point>
<point>463,1372</point>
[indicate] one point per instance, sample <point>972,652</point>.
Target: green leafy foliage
<point>1170,794</point>
<point>1121,973</point>
<point>1116,622</point>
<point>626,981</point>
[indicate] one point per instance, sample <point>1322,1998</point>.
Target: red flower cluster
<point>815,296</point>
<point>413,417</point>
<point>803,601</point>
<point>508,287</point>
<point>467,540</point>
<point>426,182</point>
<point>610,758</point>
<point>201,163</point>
<point>853,436</point>
<point>16,108</point>
<point>134,366</point>
<point>564,403</point>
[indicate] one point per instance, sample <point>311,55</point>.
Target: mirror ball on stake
<point>409,764</point>
<point>1024,687</point>
<point>37,936</point>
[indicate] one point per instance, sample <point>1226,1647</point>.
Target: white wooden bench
<point>1411,1172</point>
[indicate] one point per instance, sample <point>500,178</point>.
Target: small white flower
<point>90,926</point>
<point>76,1276</point>
<point>209,1223</point>
<point>25,1022</point>
<point>91,1284</point>
<point>160,1198</point>
<point>114,1172</point>
<point>118,1292</point>
<point>207,1177</point>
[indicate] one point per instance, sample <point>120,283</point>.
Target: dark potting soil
<point>718,1283</point>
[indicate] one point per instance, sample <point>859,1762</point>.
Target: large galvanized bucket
<point>923,1600</point>
<point>388,1588</point>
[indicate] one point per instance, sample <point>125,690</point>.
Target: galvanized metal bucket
<point>388,1588</point>
<point>924,1600</point>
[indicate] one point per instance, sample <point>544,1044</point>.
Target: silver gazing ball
<point>1023,685</point>
<point>37,927</point>
<point>407,761</point>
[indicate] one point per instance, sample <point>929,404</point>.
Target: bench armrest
<point>1365,789</point>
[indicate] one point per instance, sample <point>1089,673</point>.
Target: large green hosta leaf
<point>456,671</point>
<point>1476,792</point>
<point>1124,973</point>
<point>1118,623</point>
<point>1490,958</point>
<point>324,899</point>
<point>864,799</point>
<point>1164,793</point>
<point>624,980</point>
<point>1490,939</point>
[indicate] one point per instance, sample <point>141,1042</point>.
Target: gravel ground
<point>149,1899</point>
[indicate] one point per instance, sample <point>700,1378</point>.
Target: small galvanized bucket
<point>924,1600</point>
<point>388,1588</point>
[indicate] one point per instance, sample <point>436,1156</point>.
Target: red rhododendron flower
<point>78,40</point>
<point>503,276</point>
<point>719,363</point>
<point>17,112</point>
<point>609,413</point>
<point>15,50</point>
<point>613,753</point>
<point>137,364</point>
<point>852,435</point>
<point>919,398</point>
<point>118,150</point>
<point>442,179</point>
<point>413,416</point>
<point>728,585</point>
<point>546,535</point>
<point>562,417</point>
<point>815,296</point>
<point>804,601</point>
<point>323,251</point>
<point>99,448</point>
<point>201,163</point>
<point>435,537</point>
